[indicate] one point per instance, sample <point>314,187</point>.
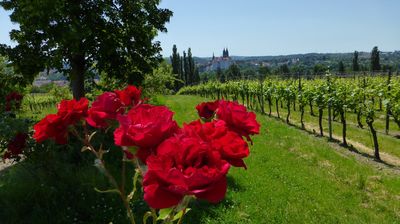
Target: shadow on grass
<point>350,147</point>
<point>233,185</point>
<point>201,210</point>
<point>56,190</point>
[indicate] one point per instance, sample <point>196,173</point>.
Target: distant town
<point>224,60</point>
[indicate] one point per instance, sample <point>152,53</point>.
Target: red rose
<point>145,126</point>
<point>52,126</point>
<point>238,119</point>
<point>104,108</point>
<point>13,100</point>
<point>232,148</point>
<point>55,126</point>
<point>184,165</point>
<point>130,96</point>
<point>71,111</point>
<point>16,145</point>
<point>207,110</point>
<point>231,145</point>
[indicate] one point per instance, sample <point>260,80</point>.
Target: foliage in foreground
<point>173,165</point>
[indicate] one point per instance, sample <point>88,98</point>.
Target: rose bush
<point>174,164</point>
<point>16,146</point>
<point>13,100</point>
<point>13,137</point>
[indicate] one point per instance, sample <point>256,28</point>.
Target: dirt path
<point>5,164</point>
<point>363,152</point>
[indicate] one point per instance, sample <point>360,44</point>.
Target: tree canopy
<point>355,65</point>
<point>375,61</point>
<point>111,36</point>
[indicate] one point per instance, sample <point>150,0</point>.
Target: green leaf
<point>132,149</point>
<point>164,213</point>
<point>180,214</point>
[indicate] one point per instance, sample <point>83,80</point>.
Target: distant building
<point>43,80</point>
<point>222,62</point>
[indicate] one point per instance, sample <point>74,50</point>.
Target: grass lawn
<point>292,177</point>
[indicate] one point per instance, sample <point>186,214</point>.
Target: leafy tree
<point>176,66</point>
<point>341,68</point>
<point>116,37</point>
<point>175,60</point>
<point>191,67</point>
<point>196,77</point>
<point>249,73</point>
<point>185,68</point>
<point>319,69</point>
<point>220,75</point>
<point>284,69</point>
<point>182,72</point>
<point>204,77</point>
<point>356,66</point>
<point>160,80</point>
<point>375,61</point>
<point>9,81</point>
<point>264,70</point>
<point>233,72</point>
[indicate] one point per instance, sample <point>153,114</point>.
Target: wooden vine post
<point>388,103</point>
<point>329,107</point>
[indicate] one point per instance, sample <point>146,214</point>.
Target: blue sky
<point>274,27</point>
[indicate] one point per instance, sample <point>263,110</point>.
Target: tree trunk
<point>288,112</point>
<point>277,107</point>
<point>330,121</point>
<point>270,105</point>
<point>77,76</point>
<point>387,119</point>
<point>343,119</point>
<point>388,104</point>
<point>261,102</point>
<point>359,119</point>
<point>311,109</point>
<point>375,139</point>
<point>320,113</point>
<point>335,113</point>
<point>302,117</point>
